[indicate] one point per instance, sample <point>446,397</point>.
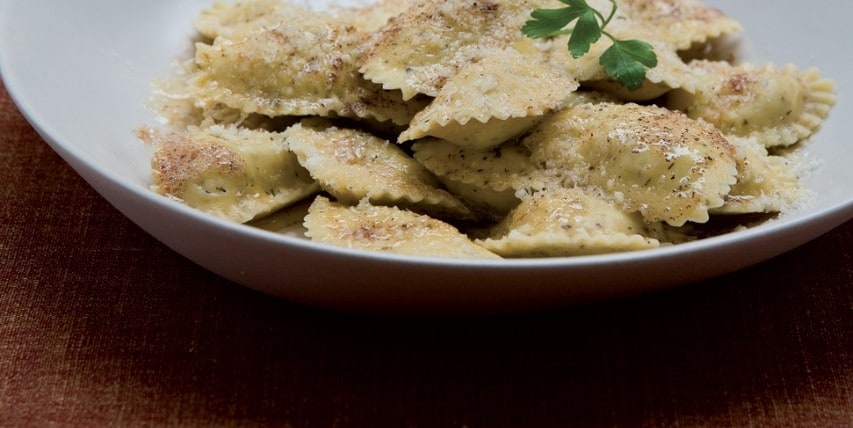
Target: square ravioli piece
<point>232,173</point>
<point>388,229</point>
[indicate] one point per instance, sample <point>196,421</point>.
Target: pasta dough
<point>493,100</point>
<point>648,159</point>
<point>237,174</point>
<point>766,183</point>
<point>419,50</point>
<point>234,20</point>
<point>486,180</point>
<point>778,107</point>
<point>353,165</point>
<point>388,229</point>
<point>302,68</point>
<point>371,17</point>
<point>678,23</point>
<point>567,222</point>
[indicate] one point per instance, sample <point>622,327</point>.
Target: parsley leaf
<point>586,32</point>
<point>625,61</point>
<point>547,22</point>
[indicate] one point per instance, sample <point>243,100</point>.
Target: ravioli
<point>766,183</point>
<point>777,106</point>
<point>507,166</point>
<point>486,180</point>
<point>232,173</point>
<point>642,158</point>
<point>353,165</point>
<point>567,222</point>
<point>233,20</point>
<point>388,229</point>
<point>371,17</point>
<point>420,49</point>
<point>174,103</point>
<point>677,23</point>
<point>492,100</point>
<point>299,69</point>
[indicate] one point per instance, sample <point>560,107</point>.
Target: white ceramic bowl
<point>80,72</point>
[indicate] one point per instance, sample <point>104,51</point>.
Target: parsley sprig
<point>625,60</point>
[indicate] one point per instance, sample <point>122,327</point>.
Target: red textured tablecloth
<point>102,325</point>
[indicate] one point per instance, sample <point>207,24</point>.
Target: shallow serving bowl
<point>80,71</point>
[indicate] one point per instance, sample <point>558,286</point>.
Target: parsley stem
<point>604,22</point>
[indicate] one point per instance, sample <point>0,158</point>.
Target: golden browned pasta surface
<point>437,128</point>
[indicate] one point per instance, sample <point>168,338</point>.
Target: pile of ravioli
<point>436,128</point>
